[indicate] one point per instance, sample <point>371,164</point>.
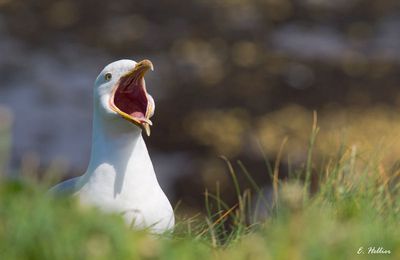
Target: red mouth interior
<point>130,97</point>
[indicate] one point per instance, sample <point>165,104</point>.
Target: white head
<point>120,91</point>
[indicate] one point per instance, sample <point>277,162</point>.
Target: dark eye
<point>107,76</point>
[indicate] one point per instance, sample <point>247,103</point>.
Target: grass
<point>323,210</point>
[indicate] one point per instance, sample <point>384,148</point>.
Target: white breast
<point>142,204</point>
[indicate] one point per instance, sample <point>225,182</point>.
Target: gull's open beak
<point>129,97</point>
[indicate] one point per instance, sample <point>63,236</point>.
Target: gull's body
<point>120,177</point>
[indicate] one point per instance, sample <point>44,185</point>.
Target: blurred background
<point>232,78</point>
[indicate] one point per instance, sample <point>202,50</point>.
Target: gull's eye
<point>107,76</point>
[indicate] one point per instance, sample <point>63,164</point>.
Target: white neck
<point>119,145</point>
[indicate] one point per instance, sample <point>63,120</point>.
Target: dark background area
<point>230,77</point>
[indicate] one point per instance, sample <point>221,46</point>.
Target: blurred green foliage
<point>349,211</point>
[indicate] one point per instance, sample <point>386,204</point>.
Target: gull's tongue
<point>140,116</point>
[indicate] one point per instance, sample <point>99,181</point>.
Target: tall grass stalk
<point>308,170</point>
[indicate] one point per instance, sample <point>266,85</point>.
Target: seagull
<point>120,177</point>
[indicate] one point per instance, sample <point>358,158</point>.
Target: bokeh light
<point>232,78</point>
